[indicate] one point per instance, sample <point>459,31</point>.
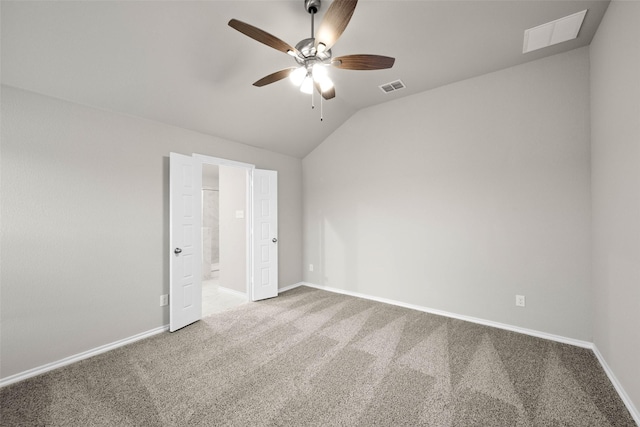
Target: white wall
<point>461,197</point>
<point>615,139</point>
<point>85,224</point>
<point>233,231</point>
<point>210,220</point>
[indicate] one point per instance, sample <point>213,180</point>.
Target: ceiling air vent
<point>554,32</point>
<point>392,87</point>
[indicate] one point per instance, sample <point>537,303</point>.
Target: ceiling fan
<point>313,54</point>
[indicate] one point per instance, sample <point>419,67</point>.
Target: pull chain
<point>321,114</point>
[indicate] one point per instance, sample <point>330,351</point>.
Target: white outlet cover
<point>310,267</point>
<point>239,214</point>
<point>520,301</point>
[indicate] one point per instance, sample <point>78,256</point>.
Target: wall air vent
<point>392,87</point>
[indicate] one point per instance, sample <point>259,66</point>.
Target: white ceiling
<point>179,63</point>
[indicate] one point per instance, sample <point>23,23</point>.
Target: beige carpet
<point>315,358</point>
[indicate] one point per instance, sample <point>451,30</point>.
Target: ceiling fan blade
<point>262,36</point>
<point>274,77</point>
<point>334,22</point>
<point>327,94</point>
<point>363,62</point>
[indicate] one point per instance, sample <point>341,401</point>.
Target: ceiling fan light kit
<point>313,55</point>
<point>307,85</point>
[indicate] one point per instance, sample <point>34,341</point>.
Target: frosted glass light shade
<point>307,86</point>
<point>325,83</point>
<point>297,76</point>
<point>321,76</point>
<point>319,71</point>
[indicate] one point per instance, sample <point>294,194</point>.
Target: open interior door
<point>185,288</point>
<point>265,234</point>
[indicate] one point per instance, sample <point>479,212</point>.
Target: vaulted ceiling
<point>178,62</point>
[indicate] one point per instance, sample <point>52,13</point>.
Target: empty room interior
<point>455,224</point>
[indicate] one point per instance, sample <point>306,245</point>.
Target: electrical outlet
<point>310,267</point>
<point>520,300</point>
<point>164,300</point>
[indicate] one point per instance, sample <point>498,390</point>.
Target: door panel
<point>185,287</point>
<point>265,235</point>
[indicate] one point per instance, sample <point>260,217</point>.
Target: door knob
<point>274,240</point>
<point>177,251</point>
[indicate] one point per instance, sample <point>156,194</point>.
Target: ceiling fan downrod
<point>312,6</point>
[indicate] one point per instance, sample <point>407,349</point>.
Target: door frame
<point>199,160</point>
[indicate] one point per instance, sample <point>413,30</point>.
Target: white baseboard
<point>80,356</point>
<point>621,392</point>
<point>585,344</point>
<point>104,348</point>
<point>288,288</point>
<point>532,332</point>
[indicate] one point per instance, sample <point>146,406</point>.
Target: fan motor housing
<point>308,50</point>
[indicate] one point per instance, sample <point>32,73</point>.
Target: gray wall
<point>210,231</point>
<point>233,231</point>
<point>461,197</point>
<point>615,148</point>
<point>85,224</point>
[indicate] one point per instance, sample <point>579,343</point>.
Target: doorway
<point>223,238</point>
<point>255,213</point>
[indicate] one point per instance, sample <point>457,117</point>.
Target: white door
<point>185,287</point>
<point>265,234</point>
